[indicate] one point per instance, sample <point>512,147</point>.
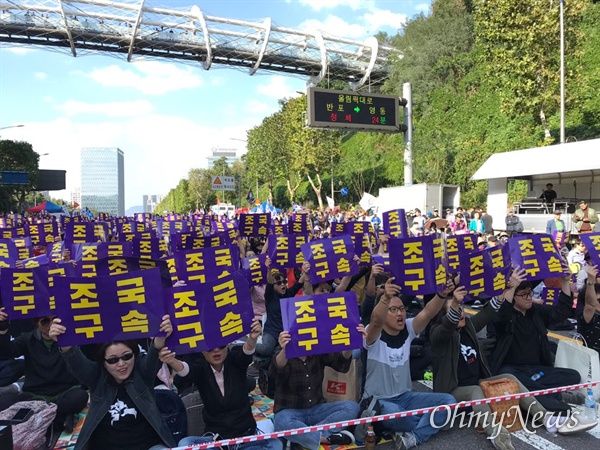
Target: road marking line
<point>536,441</point>
<point>427,383</point>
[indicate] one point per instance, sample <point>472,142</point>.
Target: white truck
<point>424,196</point>
<point>223,209</point>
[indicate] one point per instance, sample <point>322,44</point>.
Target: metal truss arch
<point>133,28</point>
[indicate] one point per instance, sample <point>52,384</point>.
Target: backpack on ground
<point>30,434</point>
<point>172,411</point>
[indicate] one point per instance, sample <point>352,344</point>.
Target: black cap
<point>557,212</point>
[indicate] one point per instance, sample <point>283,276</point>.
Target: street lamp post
<point>562,71</point>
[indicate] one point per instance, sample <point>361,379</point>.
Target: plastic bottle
<point>370,439</point>
<point>590,405</point>
<point>537,376</point>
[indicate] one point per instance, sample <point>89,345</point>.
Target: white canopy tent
<point>573,169</point>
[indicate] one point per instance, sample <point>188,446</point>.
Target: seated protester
<point>46,375</point>
<point>221,379</point>
<point>522,349</point>
<point>459,364</point>
<point>123,414</point>
<point>388,341</point>
<point>299,400</point>
<point>276,290</point>
<point>588,323</point>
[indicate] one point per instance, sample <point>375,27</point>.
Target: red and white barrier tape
<point>398,415</point>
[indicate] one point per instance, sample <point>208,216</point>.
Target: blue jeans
<point>421,426</point>
<point>323,413</point>
<point>269,444</point>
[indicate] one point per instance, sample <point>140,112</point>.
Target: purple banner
<point>550,295</point>
<point>321,324</point>
<point>55,251</point>
<point>457,248</point>
<point>418,264</point>
<point>206,264</point>
<point>485,272</point>
<point>209,315</point>
<point>80,233</point>
<point>299,224</point>
<point>254,225</point>
<point>330,258</point>
<point>537,254</point>
<point>168,227</point>
<point>338,228</point>
<point>36,261</point>
<point>25,293</point>
<point>278,228</point>
<point>560,237</point>
<point>87,254</point>
<point>131,227</point>
<point>102,309</point>
<point>394,223</point>
<point>8,253</point>
<point>116,265</point>
<point>255,269</point>
<point>383,260</point>
<point>8,233</point>
<point>285,250</point>
<point>152,248</point>
<point>43,233</point>
<point>592,244</point>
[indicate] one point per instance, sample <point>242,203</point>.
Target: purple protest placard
<point>418,264</point>
<point>8,253</point>
<point>485,272</point>
<point>152,248</point>
<point>330,258</point>
<point>537,254</point>
<point>209,315</point>
<point>457,248</point>
<point>102,309</point>
<point>338,228</point>
<point>254,225</point>
<point>299,224</point>
<point>394,223</point>
<point>206,264</point>
<point>550,295</point>
<point>278,228</point>
<point>592,244</point>
<point>25,293</point>
<point>285,250</point>
<point>255,269</point>
<point>383,259</point>
<point>43,233</point>
<point>321,324</point>
<point>79,233</point>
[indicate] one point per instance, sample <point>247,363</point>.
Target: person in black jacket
<point>522,347</point>
<point>46,374</point>
<point>221,380</point>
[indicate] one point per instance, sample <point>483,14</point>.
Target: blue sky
<point>165,116</point>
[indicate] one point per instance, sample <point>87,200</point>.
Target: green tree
<point>199,188</point>
<point>519,45</point>
<point>17,156</point>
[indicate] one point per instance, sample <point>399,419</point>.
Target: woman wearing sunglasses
<point>123,414</point>
<point>46,375</point>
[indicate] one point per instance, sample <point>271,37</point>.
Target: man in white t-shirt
<point>388,340</point>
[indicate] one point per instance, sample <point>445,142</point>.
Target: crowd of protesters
<point>405,338</point>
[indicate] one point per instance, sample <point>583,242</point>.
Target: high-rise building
<point>230,154</point>
<point>103,180</point>
<point>76,196</point>
<point>149,202</point>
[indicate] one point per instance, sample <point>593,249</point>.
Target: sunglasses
<point>45,321</point>
<point>280,282</point>
<point>115,359</point>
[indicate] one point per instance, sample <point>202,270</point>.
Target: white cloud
<point>150,77</point>
<point>277,88</point>
<point>384,18</point>
<point>40,75</point>
<point>423,7</point>
<point>20,50</point>
<point>110,109</point>
<point>335,26</point>
<point>318,5</point>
